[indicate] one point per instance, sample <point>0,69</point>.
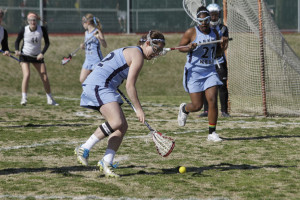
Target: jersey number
<point>34,40</point>
<point>107,58</point>
<point>206,50</point>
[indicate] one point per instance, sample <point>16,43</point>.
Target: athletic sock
<point>109,156</point>
<point>211,128</point>
<point>91,142</point>
<point>183,110</point>
<point>24,95</point>
<point>49,96</point>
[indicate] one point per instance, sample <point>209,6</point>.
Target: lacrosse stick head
<point>164,145</point>
<point>65,60</point>
<point>191,6</point>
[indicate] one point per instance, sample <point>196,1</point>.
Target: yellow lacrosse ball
<point>182,170</point>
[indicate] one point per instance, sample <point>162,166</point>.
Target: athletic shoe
<point>204,114</point>
<point>82,155</point>
<point>23,101</point>
<point>224,114</point>
<point>107,169</point>
<point>214,137</point>
<point>181,115</point>
<point>51,101</point>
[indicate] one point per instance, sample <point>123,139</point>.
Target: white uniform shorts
<point>94,96</point>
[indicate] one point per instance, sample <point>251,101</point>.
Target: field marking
<point>92,197</point>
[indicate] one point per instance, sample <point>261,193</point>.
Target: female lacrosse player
<point>200,76</point>
<point>31,52</point>
<point>221,63</point>
<point>3,36</point>
<point>99,93</point>
<point>94,38</point>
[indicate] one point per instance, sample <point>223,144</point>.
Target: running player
<point>3,36</point>
<point>31,52</point>
<point>221,63</point>
<point>200,76</point>
<point>99,93</point>
<point>94,38</point>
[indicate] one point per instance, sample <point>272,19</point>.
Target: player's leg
<point>205,106</point>
<point>25,66</point>
<point>223,91</point>
<point>211,96</point>
<point>41,68</point>
<point>83,74</point>
<point>195,105</point>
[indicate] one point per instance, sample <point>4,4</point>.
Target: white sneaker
<point>23,101</point>
<point>107,169</point>
<point>181,115</point>
<point>51,101</point>
<point>214,137</point>
<point>82,155</point>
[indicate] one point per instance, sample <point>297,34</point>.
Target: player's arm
<point>100,36</point>
<point>186,39</point>
<point>4,44</point>
<point>225,36</point>
<point>137,61</point>
<point>18,40</point>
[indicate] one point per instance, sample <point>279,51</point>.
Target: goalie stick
<point>1,51</point>
<point>164,145</point>
<point>65,60</point>
<point>166,50</point>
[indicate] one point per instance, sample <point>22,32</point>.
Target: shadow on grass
<point>43,125</point>
<point>197,171</point>
<point>262,137</point>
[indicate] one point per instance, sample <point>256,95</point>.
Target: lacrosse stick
<point>191,6</point>
<point>166,50</point>
<point>65,60</point>
<point>10,55</point>
<point>164,145</point>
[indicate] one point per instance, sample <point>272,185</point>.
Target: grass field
<point>258,159</point>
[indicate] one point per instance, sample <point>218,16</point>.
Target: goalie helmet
<point>215,8</point>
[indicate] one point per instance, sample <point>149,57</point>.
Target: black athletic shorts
<point>30,59</point>
<point>222,71</point>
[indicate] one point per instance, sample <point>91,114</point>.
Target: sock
<point>49,96</point>
<point>109,156</point>
<point>24,95</point>
<point>90,142</point>
<point>211,128</point>
<point>183,110</point>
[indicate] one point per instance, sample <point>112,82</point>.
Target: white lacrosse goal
<point>264,72</point>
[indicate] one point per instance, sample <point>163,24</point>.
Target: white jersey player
<point>3,36</point>
<point>31,52</point>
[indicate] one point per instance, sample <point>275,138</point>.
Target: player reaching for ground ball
<point>3,36</point>
<point>200,77</point>
<point>221,63</point>
<point>100,93</point>
<point>94,38</point>
<point>31,52</point>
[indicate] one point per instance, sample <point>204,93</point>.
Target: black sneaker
<point>224,114</point>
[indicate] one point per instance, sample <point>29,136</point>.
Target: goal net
<point>264,72</point>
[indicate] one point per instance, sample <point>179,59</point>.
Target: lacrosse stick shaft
<point>127,100</point>
<point>10,56</point>
<point>79,45</point>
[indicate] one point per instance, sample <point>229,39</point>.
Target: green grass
<point>258,159</point>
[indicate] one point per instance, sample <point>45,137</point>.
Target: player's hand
<point>192,46</point>
<point>140,115</point>
<point>40,56</point>
<point>17,53</point>
<point>82,46</point>
<point>224,43</point>
<point>96,34</point>
<point>6,53</point>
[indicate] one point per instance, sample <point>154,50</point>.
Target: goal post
<point>264,72</point>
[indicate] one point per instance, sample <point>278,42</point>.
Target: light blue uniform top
<point>93,54</point>
<point>200,72</point>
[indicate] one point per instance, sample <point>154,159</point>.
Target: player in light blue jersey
<point>200,76</point>
<point>221,63</point>
<point>100,93</point>
<point>94,39</point>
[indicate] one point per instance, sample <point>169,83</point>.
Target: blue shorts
<point>192,85</point>
<point>94,96</point>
